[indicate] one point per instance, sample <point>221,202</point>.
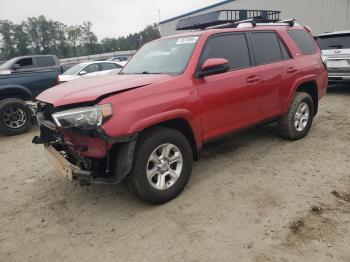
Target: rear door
<point>229,100</point>
<point>277,70</point>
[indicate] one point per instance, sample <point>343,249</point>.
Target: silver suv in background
<point>336,52</point>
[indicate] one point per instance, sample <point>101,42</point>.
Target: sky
<point>110,18</point>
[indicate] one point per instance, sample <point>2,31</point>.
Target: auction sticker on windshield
<point>187,40</point>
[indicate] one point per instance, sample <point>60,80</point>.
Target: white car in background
<point>335,48</point>
<point>88,69</point>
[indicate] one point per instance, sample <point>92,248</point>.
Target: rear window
<point>45,61</point>
<point>267,47</point>
<point>334,41</point>
<point>304,41</point>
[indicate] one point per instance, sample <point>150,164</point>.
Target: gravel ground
<point>252,197</point>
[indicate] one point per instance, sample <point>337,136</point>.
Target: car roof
<point>211,31</point>
<point>335,33</point>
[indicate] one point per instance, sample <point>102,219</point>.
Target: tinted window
<point>91,68</point>
<point>45,61</point>
<point>304,41</point>
<point>234,48</point>
<point>109,66</point>
<point>25,62</point>
<point>267,47</point>
<point>334,41</point>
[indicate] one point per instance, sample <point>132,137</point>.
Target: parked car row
<point>24,78</point>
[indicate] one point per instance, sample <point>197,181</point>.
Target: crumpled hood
<point>91,88</point>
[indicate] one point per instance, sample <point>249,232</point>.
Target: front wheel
<point>162,165</point>
<point>15,117</point>
<point>296,123</point>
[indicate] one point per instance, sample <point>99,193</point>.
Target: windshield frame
<point>161,39</point>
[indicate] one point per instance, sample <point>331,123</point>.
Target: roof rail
<point>290,21</point>
<point>227,18</point>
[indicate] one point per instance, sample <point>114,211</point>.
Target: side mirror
<point>82,73</point>
<point>214,66</point>
<point>16,67</point>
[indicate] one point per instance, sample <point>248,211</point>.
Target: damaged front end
<point>78,147</point>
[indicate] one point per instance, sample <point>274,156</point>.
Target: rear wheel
<point>162,165</point>
<point>296,123</point>
<point>15,117</point>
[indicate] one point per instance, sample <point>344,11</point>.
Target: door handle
<point>291,69</point>
<point>253,79</point>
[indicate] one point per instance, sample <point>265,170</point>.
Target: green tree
<point>74,34</point>
<point>89,39</point>
<point>8,43</point>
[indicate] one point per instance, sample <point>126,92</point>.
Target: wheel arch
<point>307,85</point>
<point>15,91</point>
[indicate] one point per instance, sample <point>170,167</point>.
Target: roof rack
<point>228,18</point>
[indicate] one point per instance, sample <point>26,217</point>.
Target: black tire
<point>137,181</point>
<point>286,124</point>
<point>5,105</point>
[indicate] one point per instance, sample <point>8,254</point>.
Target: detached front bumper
<point>66,169</point>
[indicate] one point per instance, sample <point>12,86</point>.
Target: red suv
<point>147,124</point>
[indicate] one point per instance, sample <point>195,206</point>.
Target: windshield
<point>74,69</point>
<point>8,64</point>
<point>164,56</point>
<point>334,41</point>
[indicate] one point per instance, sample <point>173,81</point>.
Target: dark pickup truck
<point>21,80</point>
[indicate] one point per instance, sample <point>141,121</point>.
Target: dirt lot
<point>252,197</point>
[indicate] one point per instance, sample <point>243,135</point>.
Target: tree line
<point>39,35</point>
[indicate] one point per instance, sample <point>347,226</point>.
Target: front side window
<point>267,47</point>
<point>304,41</point>
<point>341,41</point>
<point>91,68</point>
<point>25,63</point>
<point>164,56</point>
<point>232,47</point>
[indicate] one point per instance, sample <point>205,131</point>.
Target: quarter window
<point>267,47</point>
<point>232,47</point>
<point>304,41</point>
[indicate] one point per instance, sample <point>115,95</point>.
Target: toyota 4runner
<point>146,125</point>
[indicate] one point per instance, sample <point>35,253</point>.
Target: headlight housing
<point>85,118</point>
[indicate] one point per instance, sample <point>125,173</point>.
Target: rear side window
<point>303,40</point>
<point>45,61</point>
<point>267,47</point>
<point>25,62</point>
<point>109,66</point>
<point>334,42</point>
<point>232,47</point>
